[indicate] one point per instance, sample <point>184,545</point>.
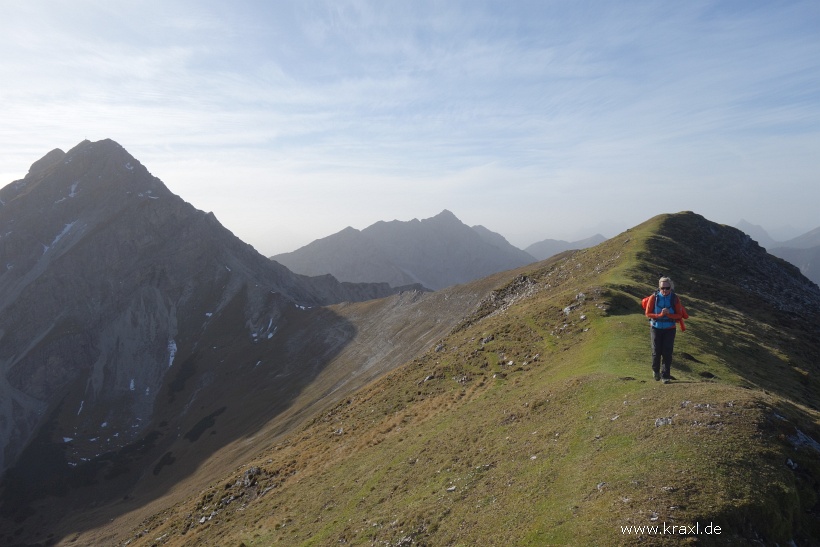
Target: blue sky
<point>291,120</point>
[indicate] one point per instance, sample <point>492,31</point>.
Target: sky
<point>292,120</point>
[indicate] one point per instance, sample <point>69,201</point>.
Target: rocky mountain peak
<point>446,216</point>
<point>108,282</point>
<point>719,258</point>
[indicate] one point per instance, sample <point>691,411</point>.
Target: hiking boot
<point>657,376</point>
<point>666,380</point>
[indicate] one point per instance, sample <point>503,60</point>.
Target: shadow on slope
<point>217,395</point>
<point>227,400</point>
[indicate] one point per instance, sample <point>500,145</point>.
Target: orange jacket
<point>679,315</point>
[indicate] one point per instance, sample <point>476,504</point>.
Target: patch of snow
<point>227,268</point>
<point>257,364</point>
<point>129,166</point>
<point>270,334</point>
<point>61,234</point>
<point>104,425</point>
<point>208,314</point>
<point>73,192</point>
<point>93,440</point>
<point>172,351</point>
<point>81,407</point>
<point>147,391</point>
<point>132,384</point>
<point>67,439</point>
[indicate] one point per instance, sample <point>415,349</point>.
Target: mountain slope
<point>113,292</point>
<point>436,252</point>
<point>807,259</point>
<point>804,252</point>
<point>322,354</point>
<point>809,240</point>
<point>536,421</point>
<point>758,233</point>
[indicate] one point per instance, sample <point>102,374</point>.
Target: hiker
<point>664,310</point>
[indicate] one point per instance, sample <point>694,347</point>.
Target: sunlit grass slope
<point>537,421</point>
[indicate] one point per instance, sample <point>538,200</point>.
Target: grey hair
<point>668,280</point>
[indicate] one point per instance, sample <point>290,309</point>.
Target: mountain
<point>758,233</point>
<point>436,252</point>
<point>112,290</point>
<point>532,419</point>
<point>808,260</point>
<point>808,240</point>
<point>804,252</point>
<point>551,247</point>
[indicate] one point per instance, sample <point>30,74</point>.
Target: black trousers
<point>663,343</point>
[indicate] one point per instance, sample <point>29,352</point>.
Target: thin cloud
<point>563,114</point>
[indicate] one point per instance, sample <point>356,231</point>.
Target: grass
<point>536,422</point>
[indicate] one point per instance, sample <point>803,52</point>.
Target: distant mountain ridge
<point>551,247</point>
<point>437,252</point>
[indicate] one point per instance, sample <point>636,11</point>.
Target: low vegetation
<point>537,422</point>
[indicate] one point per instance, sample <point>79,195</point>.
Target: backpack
<point>675,300</point>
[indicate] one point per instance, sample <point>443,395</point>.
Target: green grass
<point>547,435</point>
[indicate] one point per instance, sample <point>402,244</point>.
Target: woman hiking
<point>664,310</point>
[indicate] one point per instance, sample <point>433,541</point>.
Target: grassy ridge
<point>536,422</point>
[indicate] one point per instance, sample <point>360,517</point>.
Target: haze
<point>293,120</point>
